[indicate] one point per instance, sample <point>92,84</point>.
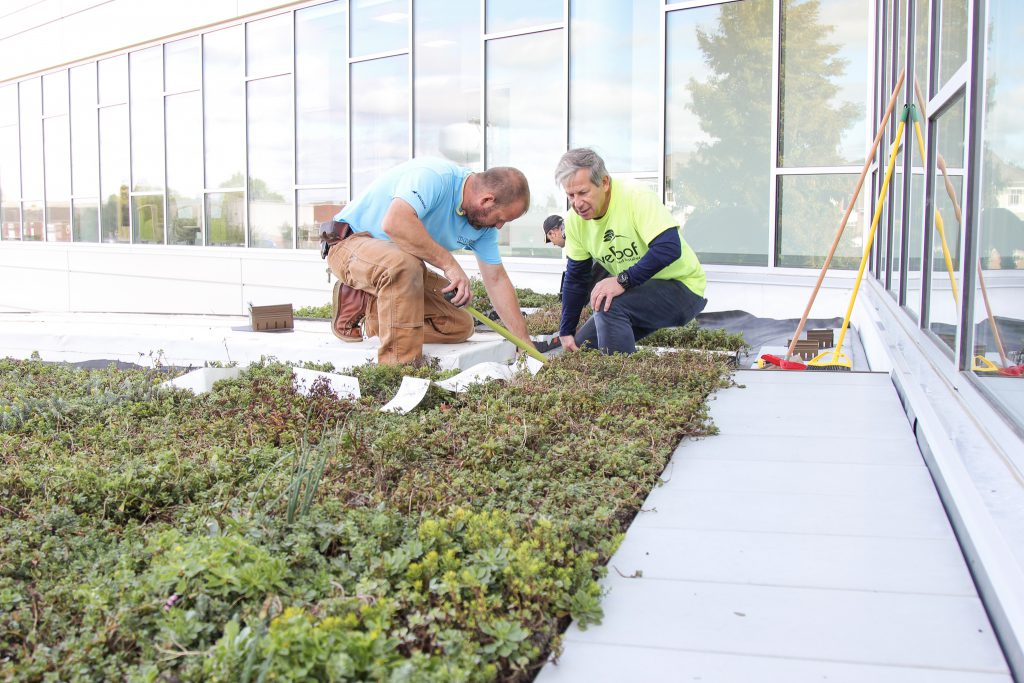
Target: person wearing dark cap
<point>627,229</point>
<point>554,233</point>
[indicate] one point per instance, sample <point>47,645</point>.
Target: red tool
<point>783,363</point>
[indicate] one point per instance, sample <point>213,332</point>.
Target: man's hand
<point>458,282</point>
<point>568,343</point>
<point>604,291</point>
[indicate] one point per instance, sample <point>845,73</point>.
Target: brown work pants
<point>407,308</point>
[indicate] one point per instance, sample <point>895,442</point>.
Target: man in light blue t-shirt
<point>418,213</point>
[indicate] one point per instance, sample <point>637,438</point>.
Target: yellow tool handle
<point>871,235</point>
<point>524,346</point>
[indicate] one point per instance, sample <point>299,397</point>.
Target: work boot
<point>345,334</point>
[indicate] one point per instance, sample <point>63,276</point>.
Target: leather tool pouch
<point>350,308</point>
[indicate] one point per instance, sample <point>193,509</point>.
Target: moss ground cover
<point>253,533</point>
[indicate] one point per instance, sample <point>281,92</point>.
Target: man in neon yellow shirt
<point>658,281</point>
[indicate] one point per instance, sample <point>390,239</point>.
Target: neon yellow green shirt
<point>621,237</point>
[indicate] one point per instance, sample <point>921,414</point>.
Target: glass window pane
<point>86,220</point>
<point>379,26</point>
<point>810,208</point>
<point>271,216</point>
<point>113,80</point>
<point>915,223</point>
<point>268,46</point>
<point>57,144</point>
<point>225,219</point>
<point>9,105</point>
<point>613,92</point>
<point>182,65</point>
<point>525,114</point>
<point>315,207</point>
<point>447,82</point>
<point>147,114</point>
<point>224,107</point>
<point>951,46</point>
<point>946,275</point>
<point>184,168</point>
<point>718,129</point>
<point>894,207</point>
<point>999,295</point>
<point>10,184</point>
<point>148,219</point>
<point>506,15</point>
<point>31,106</point>
<point>33,217</point>
<point>320,95</point>
<point>85,152</point>
<point>822,83</point>
<point>380,122</point>
<point>55,93</point>
<point>114,226</point>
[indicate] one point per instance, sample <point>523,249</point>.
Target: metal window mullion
<point>773,189</point>
<point>411,70</point>
<point>663,100</point>
<point>163,137</point>
<point>973,163</point>
<point>71,161</point>
<point>483,85</point>
<point>245,129</point>
<point>295,135</point>
<point>909,137</point>
<point>42,134</point>
<point>951,89</point>
<point>566,52</point>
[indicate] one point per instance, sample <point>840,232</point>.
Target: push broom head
<point>830,361</point>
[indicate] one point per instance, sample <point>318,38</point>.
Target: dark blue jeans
<point>639,312</point>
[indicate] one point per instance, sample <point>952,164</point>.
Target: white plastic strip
<point>410,394</point>
<point>201,380</point>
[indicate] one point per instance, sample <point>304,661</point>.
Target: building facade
<point>177,158</point>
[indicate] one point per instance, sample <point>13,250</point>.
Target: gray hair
<point>580,158</point>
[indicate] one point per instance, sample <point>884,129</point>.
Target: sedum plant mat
<point>252,533</point>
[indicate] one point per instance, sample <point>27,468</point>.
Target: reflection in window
<point>10,180</point>
<point>182,65</point>
<point>268,46</point>
<point>85,176</point>
<point>951,47</point>
<point>85,217</point>
<point>184,169</point>
<point>320,95</point>
<point>508,15</point>
<point>225,219</point>
<point>58,178</point>
<point>55,93</point>
<point>148,218</point>
<point>999,299</point>
<point>114,174</point>
<point>113,80</point>
<point>315,207</point>
<point>525,114</point>
<point>810,208</point>
<point>33,217</point>
<point>947,198</point>
<point>447,82</point>
<point>224,108</point>
<point>718,129</point>
<point>380,118</point>
<point>822,78</point>
<point>614,92</point>
<point>379,26</point>
<point>31,107</point>
<point>271,215</point>
<point>147,119</point>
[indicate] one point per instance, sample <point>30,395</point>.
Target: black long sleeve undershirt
<point>663,250</point>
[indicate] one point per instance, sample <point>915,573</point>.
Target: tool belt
<point>350,308</point>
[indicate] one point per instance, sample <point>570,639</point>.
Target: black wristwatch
<point>623,279</point>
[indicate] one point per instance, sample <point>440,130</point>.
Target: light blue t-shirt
<point>433,188</point>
